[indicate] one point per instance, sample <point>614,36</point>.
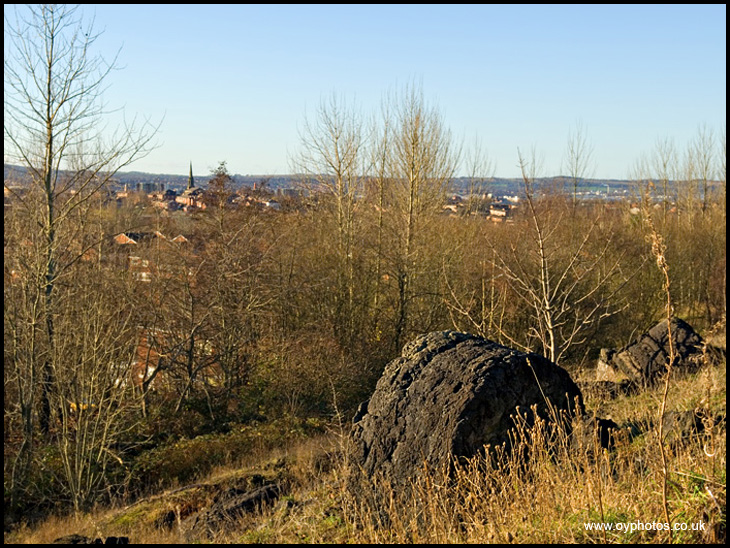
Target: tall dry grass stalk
<point>658,250</point>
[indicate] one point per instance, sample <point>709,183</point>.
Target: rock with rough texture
<point>606,390</point>
<point>645,360</point>
<point>448,395</point>
<point>229,505</point>
<point>592,432</point>
<point>80,539</point>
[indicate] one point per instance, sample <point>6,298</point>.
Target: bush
<point>185,460</point>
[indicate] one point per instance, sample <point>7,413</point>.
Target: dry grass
<point>551,489</point>
<point>547,491</point>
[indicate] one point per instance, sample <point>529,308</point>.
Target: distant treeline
<point>460,185</point>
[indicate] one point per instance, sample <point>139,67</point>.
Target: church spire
<point>191,181</point>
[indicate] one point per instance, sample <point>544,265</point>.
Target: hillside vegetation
<point>293,368</point>
<point>550,497</point>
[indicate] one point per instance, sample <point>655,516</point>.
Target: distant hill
<point>461,185</point>
<point>131,178</point>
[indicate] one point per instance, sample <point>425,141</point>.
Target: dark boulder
<point>80,539</point>
<point>678,426</point>
<point>449,395</point>
<point>592,432</point>
<point>645,360</point>
<point>229,505</point>
<point>74,539</point>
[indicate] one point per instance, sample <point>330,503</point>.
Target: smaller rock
<point>592,429</point>
<point>645,360</point>
<point>678,426</point>
<point>681,425</point>
<point>607,390</point>
<point>230,504</point>
<point>80,539</point>
<point>73,539</point>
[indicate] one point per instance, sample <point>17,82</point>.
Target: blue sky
<point>234,82</point>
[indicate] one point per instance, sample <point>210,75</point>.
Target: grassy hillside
<point>552,496</point>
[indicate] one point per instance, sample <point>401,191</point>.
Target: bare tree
<point>578,160</point>
<point>573,288</point>
<point>220,189</point>
<point>561,268</point>
<point>332,157</point>
<point>53,114</point>
<point>665,169</point>
<point>480,169</point>
<point>23,348</point>
<point>723,182</point>
<point>422,163</point>
<point>53,128</point>
<point>92,365</point>
<point>698,171</point>
<point>702,150</point>
<point>723,167</point>
<point>236,293</point>
<point>379,184</point>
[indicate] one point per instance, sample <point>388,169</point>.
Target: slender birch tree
<point>54,129</point>
<point>332,159</point>
<point>422,163</point>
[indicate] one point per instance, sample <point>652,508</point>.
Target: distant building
<point>125,239</point>
<point>140,269</point>
<point>499,212</point>
<point>139,261</point>
<point>166,200</point>
<point>192,196</point>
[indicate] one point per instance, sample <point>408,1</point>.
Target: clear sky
<point>234,82</point>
